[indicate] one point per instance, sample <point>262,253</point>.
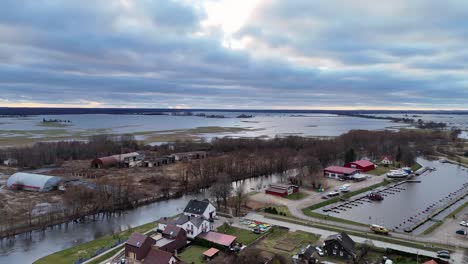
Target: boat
<point>345,188</point>
<point>397,174</point>
<point>333,193</point>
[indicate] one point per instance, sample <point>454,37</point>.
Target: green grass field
<point>244,236</point>
<point>380,170</point>
<point>280,235</point>
<point>89,248</point>
<point>193,254</point>
<point>297,196</point>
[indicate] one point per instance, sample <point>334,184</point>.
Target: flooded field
<point>406,204</point>
<point>164,128</point>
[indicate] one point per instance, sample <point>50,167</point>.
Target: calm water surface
<point>397,208</point>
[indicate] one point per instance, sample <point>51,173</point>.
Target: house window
<point>341,253</point>
<point>334,252</point>
<point>336,246</point>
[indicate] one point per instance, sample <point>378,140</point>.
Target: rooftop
<point>339,169</point>
<point>211,252</point>
<point>196,206</point>
<point>218,238</point>
<point>137,239</point>
<point>363,163</point>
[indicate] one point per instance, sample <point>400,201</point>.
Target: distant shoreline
<point>23,111</point>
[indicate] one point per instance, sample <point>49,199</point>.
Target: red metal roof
<point>341,170</point>
<point>211,252</point>
<point>430,262</point>
<point>276,190</point>
<point>218,238</point>
<point>363,163</point>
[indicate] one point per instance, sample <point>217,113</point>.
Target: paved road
<point>457,257</point>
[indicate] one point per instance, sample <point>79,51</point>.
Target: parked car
<point>319,251</point>
<point>461,232</point>
<point>464,223</point>
<point>257,230</point>
<point>443,252</point>
<point>443,255</point>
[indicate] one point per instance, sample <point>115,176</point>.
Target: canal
<point>407,203</point>
<point>26,248</point>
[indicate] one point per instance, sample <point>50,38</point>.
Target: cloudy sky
<point>255,54</point>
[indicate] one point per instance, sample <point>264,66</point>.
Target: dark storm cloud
<point>157,53</point>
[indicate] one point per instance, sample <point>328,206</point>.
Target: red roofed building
<point>338,172</point>
<point>281,189</point>
<point>386,160</point>
<point>211,253</point>
<point>430,262</point>
<point>363,165</point>
<point>218,238</point>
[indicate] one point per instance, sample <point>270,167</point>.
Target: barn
<point>282,189</point>
<point>338,172</point>
<point>104,162</point>
<point>32,182</point>
<point>363,165</point>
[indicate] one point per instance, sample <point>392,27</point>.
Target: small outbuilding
<point>210,253</point>
<point>282,190</point>
<point>363,165</point>
<point>338,172</point>
<point>219,238</point>
<point>33,182</point>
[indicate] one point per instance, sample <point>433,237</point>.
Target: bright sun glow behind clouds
<point>230,16</point>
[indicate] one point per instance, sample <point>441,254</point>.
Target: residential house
<point>194,225</point>
<point>137,246</point>
<point>306,255</point>
<point>158,256</point>
<point>173,239</point>
<point>202,208</point>
<point>386,160</point>
<point>341,246</point>
<point>165,221</point>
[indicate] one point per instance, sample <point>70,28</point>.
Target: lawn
<point>297,196</point>
<point>278,236</point>
<point>89,248</point>
<point>193,254</point>
<point>244,236</point>
<point>380,170</point>
<point>281,209</point>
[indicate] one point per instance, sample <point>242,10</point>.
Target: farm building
<point>187,156</point>
<point>127,160</point>
<point>104,162</point>
<point>282,189</point>
<point>33,182</point>
<point>363,165</point>
<point>138,245</point>
<point>338,172</point>
<point>159,161</point>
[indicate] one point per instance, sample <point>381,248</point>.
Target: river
<point>27,248</point>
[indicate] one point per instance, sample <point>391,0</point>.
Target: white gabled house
<point>194,225</point>
<point>202,208</point>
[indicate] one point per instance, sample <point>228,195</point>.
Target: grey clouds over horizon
<point>286,54</point>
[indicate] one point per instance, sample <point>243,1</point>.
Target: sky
<point>243,54</point>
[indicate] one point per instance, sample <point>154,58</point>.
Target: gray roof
<point>33,180</point>
<point>196,206</point>
<point>195,220</point>
<point>345,241</point>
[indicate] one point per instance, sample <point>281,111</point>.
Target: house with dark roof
<point>158,256</point>
<point>202,208</point>
<point>341,246</point>
<point>306,255</point>
<point>137,246</point>
<point>194,225</point>
<point>173,239</point>
<point>165,221</point>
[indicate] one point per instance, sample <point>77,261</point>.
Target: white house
<point>194,225</point>
<point>386,160</point>
<point>202,208</point>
